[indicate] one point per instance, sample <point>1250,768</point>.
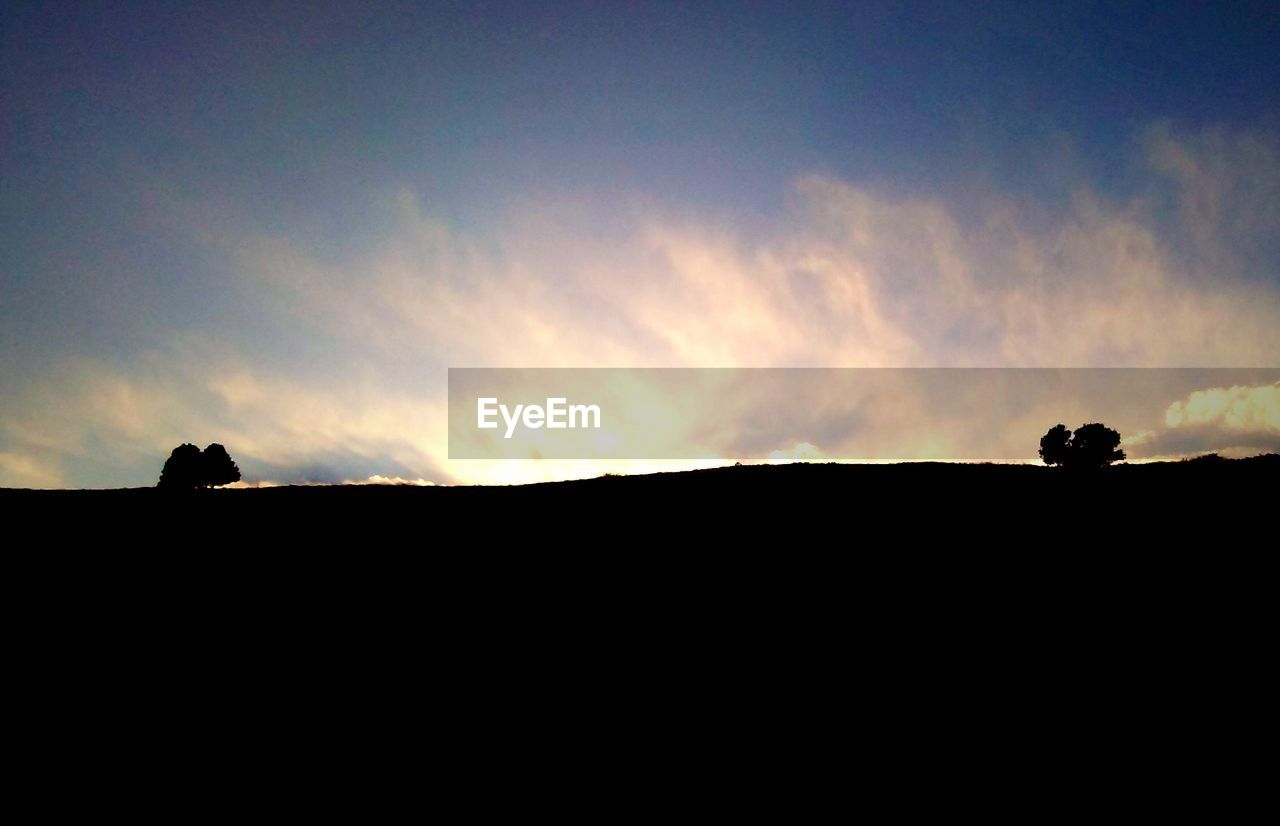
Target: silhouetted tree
<point>1091,446</point>
<point>216,467</point>
<point>182,469</point>
<point>1056,445</point>
<point>188,468</point>
<point>1096,445</point>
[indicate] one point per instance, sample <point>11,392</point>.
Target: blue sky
<point>205,196</point>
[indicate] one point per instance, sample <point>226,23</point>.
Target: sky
<point>277,225</point>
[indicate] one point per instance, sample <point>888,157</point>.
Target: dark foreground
<point>936,632</point>
<point>853,506</point>
<point>817,537</point>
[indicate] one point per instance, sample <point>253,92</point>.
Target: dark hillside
<point>962,604</point>
<point>867,506</point>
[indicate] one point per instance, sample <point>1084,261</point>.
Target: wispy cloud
<point>22,470</point>
<point>845,275</point>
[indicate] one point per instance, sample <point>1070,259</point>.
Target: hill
<point>929,595</point>
<point>1009,505</point>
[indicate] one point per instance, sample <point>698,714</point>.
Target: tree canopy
<point>189,468</point>
<point>1092,445</point>
<point>216,467</point>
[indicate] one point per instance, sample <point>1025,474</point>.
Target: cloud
<point>1248,409</point>
<point>846,276</point>
<point>20,470</point>
<point>1224,187</point>
<point>345,380</point>
<point>1238,420</point>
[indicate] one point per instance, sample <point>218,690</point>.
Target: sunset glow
<point>277,228</point>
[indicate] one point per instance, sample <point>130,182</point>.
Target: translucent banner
<point>821,414</point>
